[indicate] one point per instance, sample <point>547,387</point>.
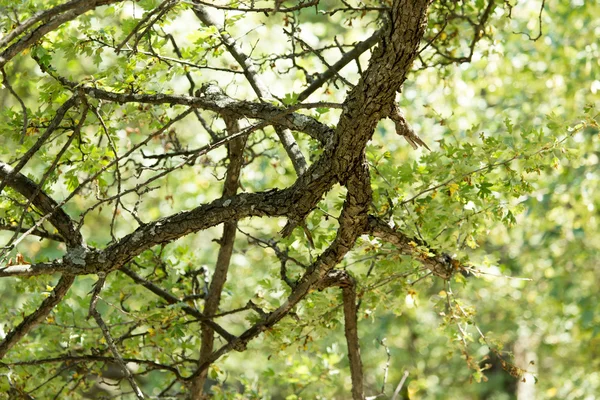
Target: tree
<point>189,183</point>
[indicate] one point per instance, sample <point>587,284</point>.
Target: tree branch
<point>440,264</point>
<point>170,299</point>
<point>214,100</point>
<point>342,279</point>
<point>93,312</point>
<point>37,232</point>
<point>261,90</point>
<point>235,154</point>
<point>342,161</point>
<point>15,240</point>
<point>31,191</point>
<point>342,62</point>
<point>7,84</point>
<point>351,332</point>
<point>74,359</point>
<point>352,222</point>
<point>57,217</point>
<point>54,18</point>
<point>60,114</point>
<point>34,319</point>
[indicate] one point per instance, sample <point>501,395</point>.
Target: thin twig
<point>93,312</point>
<point>400,385</point>
<point>23,107</point>
<point>34,319</point>
<point>260,88</point>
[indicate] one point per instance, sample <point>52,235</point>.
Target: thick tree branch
<point>351,332</point>
<point>364,108</point>
<point>342,162</point>
<point>352,221</point>
<point>366,104</point>
<point>216,101</point>
<point>342,279</point>
<point>235,153</point>
<point>86,260</point>
<point>36,269</point>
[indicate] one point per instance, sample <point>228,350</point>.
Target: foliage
<point>209,198</point>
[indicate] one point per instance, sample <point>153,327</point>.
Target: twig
<point>30,199</point>
<point>539,22</point>
<point>35,318</point>
<point>170,299</point>
<point>387,365</point>
<point>345,60</point>
<point>37,232</point>
<point>403,128</point>
<point>60,114</point>
<point>261,90</point>
<point>23,107</point>
<point>39,16</point>
<point>400,385</point>
<point>300,6</point>
<point>93,312</point>
<point>160,9</point>
<point>320,57</point>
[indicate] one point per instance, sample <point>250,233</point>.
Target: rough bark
<point>235,154</point>
<point>342,162</point>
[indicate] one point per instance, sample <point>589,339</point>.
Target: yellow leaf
<point>471,242</point>
<point>453,187</point>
